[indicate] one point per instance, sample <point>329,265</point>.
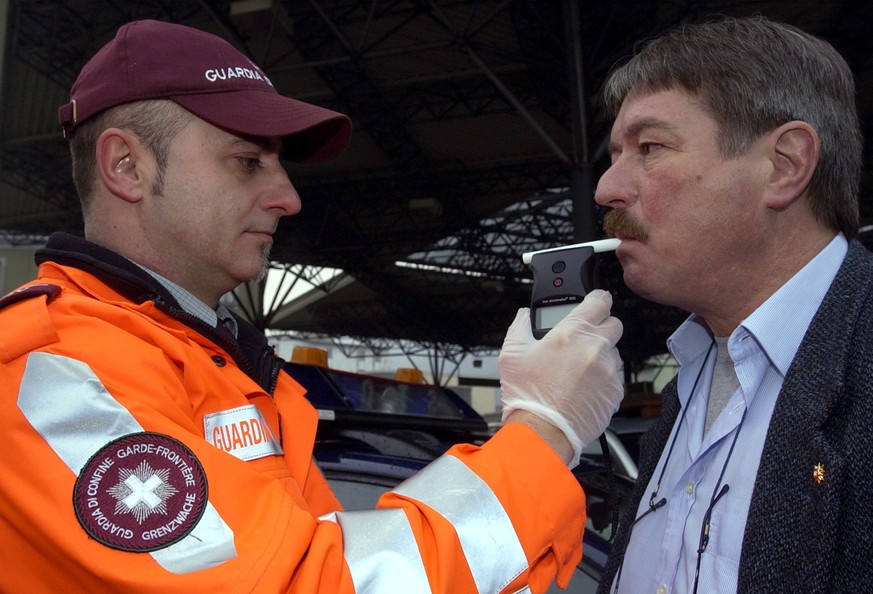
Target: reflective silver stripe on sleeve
<point>381,552</point>
<point>208,545</point>
<point>489,541</point>
<point>71,409</point>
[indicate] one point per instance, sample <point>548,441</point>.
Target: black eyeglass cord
<point>719,491</point>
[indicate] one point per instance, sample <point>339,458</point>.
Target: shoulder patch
<point>141,492</point>
<point>29,291</point>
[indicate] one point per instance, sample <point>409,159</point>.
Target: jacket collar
<point>115,270</point>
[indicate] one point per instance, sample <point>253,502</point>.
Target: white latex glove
<point>569,378</point>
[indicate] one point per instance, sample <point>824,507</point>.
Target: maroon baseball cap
<point>210,78</point>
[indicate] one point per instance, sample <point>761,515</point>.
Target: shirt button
<point>662,589</point>
<point>689,488</point>
<point>219,360</point>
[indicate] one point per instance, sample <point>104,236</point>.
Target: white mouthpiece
<point>601,245</point>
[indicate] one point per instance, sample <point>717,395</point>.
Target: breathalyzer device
<point>562,277</point>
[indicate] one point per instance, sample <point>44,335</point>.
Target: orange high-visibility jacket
<point>138,455</point>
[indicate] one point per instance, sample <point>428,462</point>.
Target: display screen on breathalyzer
<point>549,315</point>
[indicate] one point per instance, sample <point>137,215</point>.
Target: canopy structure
<point>477,137</point>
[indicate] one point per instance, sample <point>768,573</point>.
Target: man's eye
<point>250,163</point>
<point>648,147</point>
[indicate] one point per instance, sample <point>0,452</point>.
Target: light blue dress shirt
<point>662,555</point>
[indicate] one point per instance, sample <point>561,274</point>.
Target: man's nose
<point>615,188</point>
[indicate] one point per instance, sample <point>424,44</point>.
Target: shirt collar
<point>194,306</point>
<point>778,324</point>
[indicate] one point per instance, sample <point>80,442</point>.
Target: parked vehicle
<point>623,440</point>
<point>375,432</point>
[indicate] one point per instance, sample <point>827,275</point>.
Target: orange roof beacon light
<point>309,356</point>
<point>410,375</point>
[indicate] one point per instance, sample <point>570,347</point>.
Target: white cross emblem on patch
<point>142,491</point>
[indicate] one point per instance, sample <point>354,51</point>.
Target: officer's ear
<point>119,167</point>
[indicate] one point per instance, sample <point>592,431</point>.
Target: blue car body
<point>375,432</point>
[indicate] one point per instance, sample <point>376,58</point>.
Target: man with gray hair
<point>736,155</point>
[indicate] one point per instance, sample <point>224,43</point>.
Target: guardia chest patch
<point>141,492</point>
<point>242,432</point>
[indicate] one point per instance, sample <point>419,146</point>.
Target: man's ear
<point>794,156</point>
<point>118,164</point>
